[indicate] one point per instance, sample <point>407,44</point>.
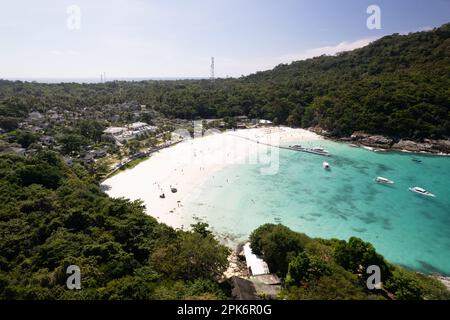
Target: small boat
<point>417,160</point>
<point>383,180</point>
<point>318,150</point>
<point>421,191</point>
<point>353,145</point>
<point>298,147</point>
<point>326,165</point>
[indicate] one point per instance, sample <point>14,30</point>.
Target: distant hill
<point>396,86</point>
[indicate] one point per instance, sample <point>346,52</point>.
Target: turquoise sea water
<point>406,228</point>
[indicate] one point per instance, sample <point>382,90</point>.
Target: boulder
<point>413,146</point>
<point>358,135</point>
<point>377,141</point>
<point>441,145</point>
<point>319,130</point>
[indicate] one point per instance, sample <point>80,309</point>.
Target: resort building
<point>255,265</point>
<point>139,128</point>
<point>260,283</point>
<point>129,132</point>
<point>265,123</point>
<point>114,131</point>
<point>242,118</point>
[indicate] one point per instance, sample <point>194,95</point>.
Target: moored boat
<point>297,147</point>
<point>383,180</point>
<point>421,191</point>
<point>326,165</point>
<point>319,150</point>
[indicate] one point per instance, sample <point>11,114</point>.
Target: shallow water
<point>406,228</point>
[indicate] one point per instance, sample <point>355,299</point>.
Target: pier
<point>306,150</point>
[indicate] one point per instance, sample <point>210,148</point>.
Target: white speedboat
<point>383,180</point>
<point>298,147</point>
<point>318,150</point>
<point>421,191</point>
<point>326,165</point>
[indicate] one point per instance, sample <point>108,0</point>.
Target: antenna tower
<point>212,71</point>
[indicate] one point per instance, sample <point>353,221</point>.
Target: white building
<point>255,264</point>
<point>139,128</point>
<point>114,131</point>
<point>266,123</point>
<point>131,131</point>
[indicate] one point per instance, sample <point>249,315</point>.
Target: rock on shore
<point>377,141</point>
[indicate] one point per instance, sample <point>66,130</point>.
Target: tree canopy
<point>336,269</point>
<point>52,216</point>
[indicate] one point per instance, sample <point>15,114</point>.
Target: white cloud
<point>235,67</point>
<point>327,50</point>
<point>427,28</point>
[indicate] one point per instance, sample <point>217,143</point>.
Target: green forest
<point>396,86</point>
<point>53,216</point>
<point>319,269</point>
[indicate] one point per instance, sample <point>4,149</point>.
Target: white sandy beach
<point>187,165</point>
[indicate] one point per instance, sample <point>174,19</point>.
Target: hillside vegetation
<point>334,269</point>
<point>397,86</point>
<point>52,216</point>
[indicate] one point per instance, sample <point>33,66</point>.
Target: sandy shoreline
<point>187,165</point>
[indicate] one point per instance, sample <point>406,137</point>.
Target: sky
<point>177,38</point>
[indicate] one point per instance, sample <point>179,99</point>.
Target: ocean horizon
<point>92,80</point>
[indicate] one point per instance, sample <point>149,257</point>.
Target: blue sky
<point>176,38</point>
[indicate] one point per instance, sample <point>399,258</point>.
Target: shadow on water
<point>360,230</point>
<point>427,215</point>
<point>382,168</point>
<point>387,224</point>
<point>368,218</point>
<point>429,268</point>
<point>316,214</point>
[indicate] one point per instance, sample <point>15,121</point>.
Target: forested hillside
<point>321,269</point>
<point>396,86</point>
<point>52,216</point>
